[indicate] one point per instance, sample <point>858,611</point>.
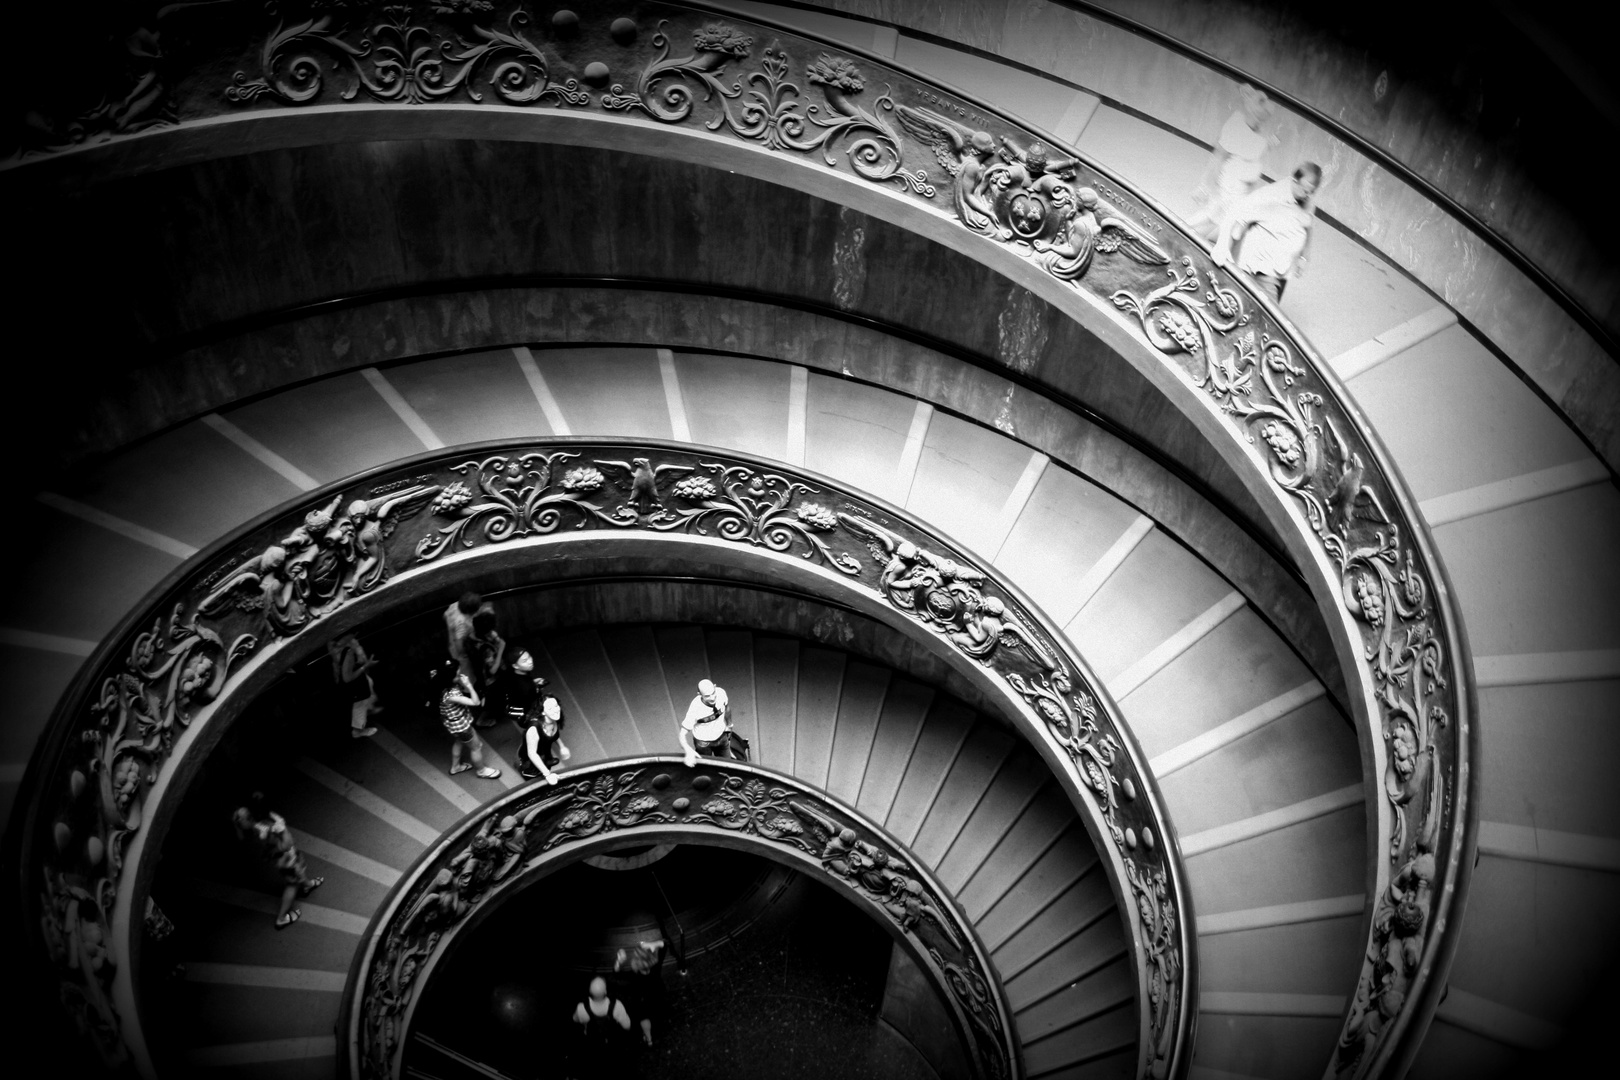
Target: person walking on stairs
<point>456,707</point>
<point>603,1022</point>
<point>268,831</point>
<point>639,980</point>
<point>1267,232</point>
<point>707,727</point>
<point>351,669</point>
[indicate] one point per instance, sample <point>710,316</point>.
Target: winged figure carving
<point>644,479</point>
<point>1089,226</point>
<point>962,152</point>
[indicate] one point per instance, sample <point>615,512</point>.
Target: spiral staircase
<point>1243,722</point>
<point>973,803</point>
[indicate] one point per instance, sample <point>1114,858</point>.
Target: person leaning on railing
<point>707,727</point>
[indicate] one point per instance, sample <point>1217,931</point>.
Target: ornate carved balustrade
<point>513,841</point>
<point>934,160</point>
<point>259,600</point>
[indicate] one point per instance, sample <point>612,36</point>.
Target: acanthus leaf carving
<point>401,59</point>
<point>1278,405</point>
<point>766,106</point>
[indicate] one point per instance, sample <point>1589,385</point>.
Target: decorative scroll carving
<point>771,109</point>
<point>533,495</point>
<point>1313,455</point>
<point>535,826</point>
<point>74,927</point>
<point>400,58</point>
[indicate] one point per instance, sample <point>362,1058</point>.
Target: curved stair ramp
<point>974,804</point>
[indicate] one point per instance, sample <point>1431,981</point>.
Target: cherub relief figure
<point>323,563</point>
<point>1089,225</point>
<point>963,153</point>
<point>371,521</point>
<point>946,593</point>
<point>880,874</point>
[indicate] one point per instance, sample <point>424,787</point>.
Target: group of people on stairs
<point>481,681</point>
<point>487,680</point>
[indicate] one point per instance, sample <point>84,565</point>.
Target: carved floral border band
<point>833,108</point>
<point>495,848</point>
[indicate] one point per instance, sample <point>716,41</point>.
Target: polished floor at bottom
<point>798,991</point>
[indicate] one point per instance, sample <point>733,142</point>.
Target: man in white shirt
<point>707,727</point>
<point>1274,227</point>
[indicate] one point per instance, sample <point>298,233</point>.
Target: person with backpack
<point>707,727</point>
<point>603,1023</point>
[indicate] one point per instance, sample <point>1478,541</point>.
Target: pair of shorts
<point>293,870</point>
<point>466,736</point>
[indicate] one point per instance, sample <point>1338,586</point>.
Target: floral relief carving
<point>521,496</point>
<point>766,106</point>
<point>537,825</point>
<point>400,58</point>
<point>1312,454</point>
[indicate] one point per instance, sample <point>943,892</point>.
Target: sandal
<point>284,921</point>
<point>310,886</point>
<point>463,767</point>
<point>488,772</point>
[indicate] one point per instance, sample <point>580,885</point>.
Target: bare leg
<point>485,772</point>
<point>289,893</point>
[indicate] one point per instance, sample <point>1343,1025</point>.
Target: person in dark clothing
<point>542,749</point>
<point>639,980</point>
<point>351,670</point>
<point>485,651</point>
<point>603,1023</point>
<point>458,625</point>
<point>268,832</point>
<point>518,688</point>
